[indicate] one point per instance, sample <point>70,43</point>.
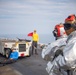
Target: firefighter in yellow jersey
<point>35,39</point>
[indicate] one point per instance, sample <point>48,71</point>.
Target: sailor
<point>48,52</point>
<point>65,63</point>
<point>12,58</point>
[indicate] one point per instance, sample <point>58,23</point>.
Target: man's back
<point>14,55</point>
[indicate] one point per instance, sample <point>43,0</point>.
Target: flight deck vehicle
<point>22,46</point>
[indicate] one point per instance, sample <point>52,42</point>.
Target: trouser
<point>34,47</point>
<point>8,61</point>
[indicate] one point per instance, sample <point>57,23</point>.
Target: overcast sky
<point>23,16</point>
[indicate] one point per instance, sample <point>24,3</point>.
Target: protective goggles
<point>67,26</point>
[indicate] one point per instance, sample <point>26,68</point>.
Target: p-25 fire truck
<point>22,46</point>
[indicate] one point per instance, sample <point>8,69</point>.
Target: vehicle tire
<point>7,53</point>
<point>30,51</point>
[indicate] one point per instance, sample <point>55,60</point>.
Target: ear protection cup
<point>74,26</point>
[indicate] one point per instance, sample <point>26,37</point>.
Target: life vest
<point>60,30</point>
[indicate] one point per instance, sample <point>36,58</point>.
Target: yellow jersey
<point>35,37</point>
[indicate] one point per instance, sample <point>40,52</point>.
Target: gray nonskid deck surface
<point>33,65</point>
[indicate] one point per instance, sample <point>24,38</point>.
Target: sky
<point>23,16</point>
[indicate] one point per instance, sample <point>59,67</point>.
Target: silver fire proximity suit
<point>66,61</point>
<point>48,52</point>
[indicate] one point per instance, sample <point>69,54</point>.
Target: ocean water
<point>43,38</point>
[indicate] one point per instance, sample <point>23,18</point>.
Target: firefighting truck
<point>22,46</point>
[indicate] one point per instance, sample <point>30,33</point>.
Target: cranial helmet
<point>70,19</point>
